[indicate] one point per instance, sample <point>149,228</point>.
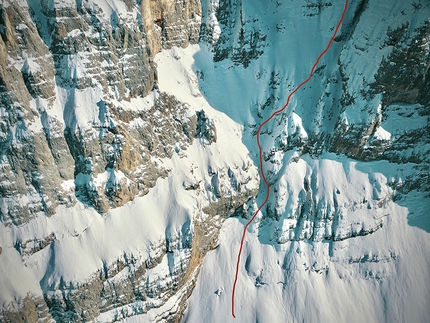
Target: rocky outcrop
<point>68,136</point>
<point>371,104</point>
<point>52,53</point>
<point>92,48</point>
<point>171,23</point>
<point>117,164</point>
<point>28,171</point>
<point>225,27</point>
<point>402,78</point>
<point>131,285</point>
<point>71,130</point>
<point>31,309</point>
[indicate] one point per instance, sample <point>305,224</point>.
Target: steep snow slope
<point>380,277</point>
<point>345,234</point>
<point>335,243</point>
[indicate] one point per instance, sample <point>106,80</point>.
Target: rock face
<point>53,55</point>
<point>237,42</point>
<point>93,144</point>
<point>121,155</point>
<point>27,72</point>
<point>171,23</point>
<point>83,123</point>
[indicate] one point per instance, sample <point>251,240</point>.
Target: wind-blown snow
<point>366,278</point>
<point>379,277</point>
<point>83,236</point>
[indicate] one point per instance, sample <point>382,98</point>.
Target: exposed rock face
<point>121,155</point>
<point>55,57</point>
<point>30,178</point>
<point>90,51</point>
<point>53,50</point>
<point>402,78</point>
<point>352,140</point>
<point>32,310</point>
<point>132,284</point>
<point>206,130</point>
<point>71,133</point>
<point>230,35</point>
<point>171,23</point>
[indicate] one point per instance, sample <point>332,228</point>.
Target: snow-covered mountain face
<point>128,161</point>
<point>367,110</point>
<point>345,232</point>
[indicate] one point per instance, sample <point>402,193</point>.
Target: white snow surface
<point>84,237</point>
<point>376,278</point>
<point>380,277</point>
<point>317,282</point>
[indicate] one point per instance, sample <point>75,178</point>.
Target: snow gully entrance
<point>261,151</point>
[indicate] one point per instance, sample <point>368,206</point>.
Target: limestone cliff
<point>85,128</point>
<point>55,52</point>
<point>108,166</point>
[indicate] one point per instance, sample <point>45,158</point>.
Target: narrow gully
<point>261,151</point>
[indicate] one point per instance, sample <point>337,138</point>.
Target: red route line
<point>261,151</point>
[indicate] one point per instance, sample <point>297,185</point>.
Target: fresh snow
<point>85,237</point>
<point>317,282</point>
<point>380,277</point>
<point>382,134</point>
